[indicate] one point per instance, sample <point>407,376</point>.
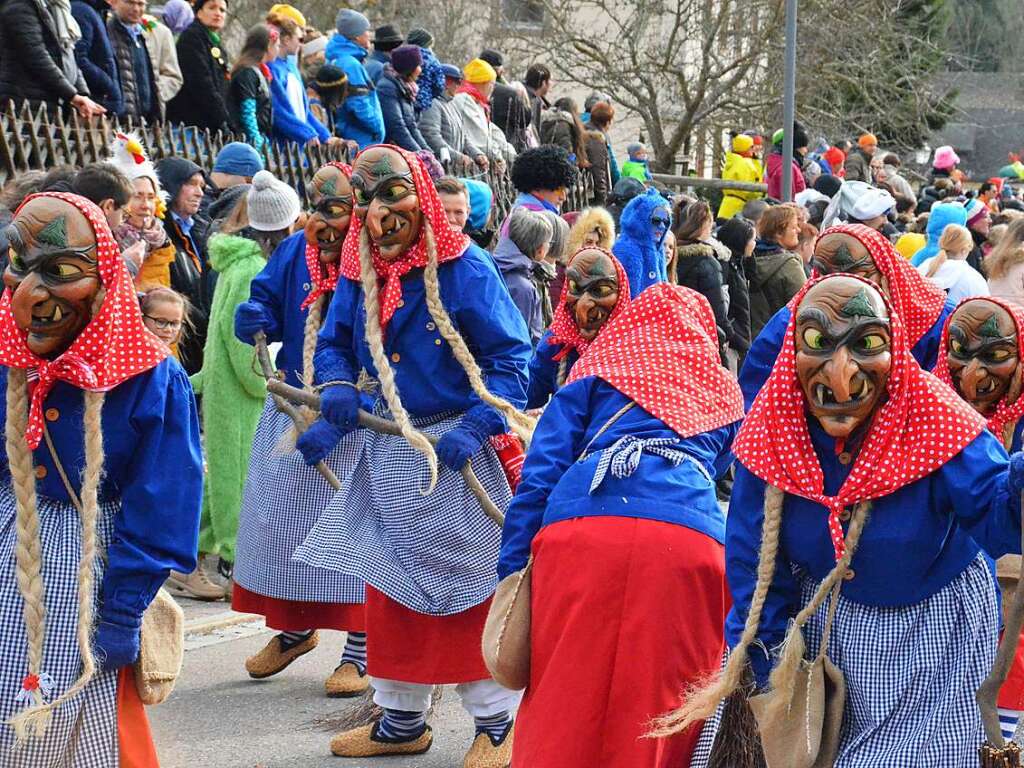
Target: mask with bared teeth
<point>330,197</point>
<point>982,355</point>
<point>386,201</point>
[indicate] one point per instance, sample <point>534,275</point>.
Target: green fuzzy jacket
<point>232,392</point>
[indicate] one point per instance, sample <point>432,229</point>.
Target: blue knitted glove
<point>116,645</point>
<point>339,405</point>
<point>316,443</point>
<point>1017,473</point>
<point>476,425</point>
<point>250,318</point>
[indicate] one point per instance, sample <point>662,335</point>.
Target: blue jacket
<point>641,257</point>
<point>915,542</point>
<point>375,64</point>
<point>359,117</point>
<point>288,126</point>
<point>396,105</point>
<point>153,465</point>
<point>760,359</point>
<point>430,380</point>
<point>95,57</point>
<point>516,270</point>
<point>544,371</point>
<point>556,484</point>
<point>940,216</point>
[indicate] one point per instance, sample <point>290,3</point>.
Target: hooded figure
<point>939,218</point>
<point>645,222</point>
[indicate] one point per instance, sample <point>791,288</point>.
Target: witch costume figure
<point>618,509</point>
<point>594,292</point>
<point>91,520</point>
<point>283,496</point>
<point>425,313</point>
<point>865,494</point>
<point>859,250</point>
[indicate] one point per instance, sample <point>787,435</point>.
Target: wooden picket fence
<point>38,138</point>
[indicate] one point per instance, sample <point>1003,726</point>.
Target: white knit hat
<point>273,205</point>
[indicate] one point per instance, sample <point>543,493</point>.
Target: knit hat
<point>273,205</point>
<point>492,57</point>
<point>419,36</point>
<point>386,37</point>
<point>177,15</point>
<point>871,203</point>
<point>799,136</point>
<point>351,24</point>
<point>405,59</point>
<point>289,12</point>
<point>976,211</point>
<point>479,71</point>
<point>451,72</point>
<point>594,98</point>
<point>945,158</point>
<point>330,76</point>
<point>910,243</point>
<point>835,157</point>
<point>315,46</point>
<point>635,147</point>
<point>238,159</point>
<point>173,172</point>
<point>742,143</point>
<point>867,140</point>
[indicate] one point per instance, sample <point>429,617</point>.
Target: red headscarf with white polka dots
<point>915,431</point>
<point>662,353</point>
<point>323,277</point>
<point>1006,413</point>
<point>112,348</point>
<point>450,243</point>
<point>916,300</point>
<point>564,329</point>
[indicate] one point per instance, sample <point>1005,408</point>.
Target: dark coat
<point>700,268</point>
<point>600,166</point>
<point>396,103</point>
<point>96,57</point>
<point>202,100</point>
<point>191,277</point>
<point>125,49</point>
<point>247,83</point>
<point>31,60</point>
<point>509,113</point>
<point>775,276</point>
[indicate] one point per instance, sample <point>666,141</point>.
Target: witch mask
<point>983,357</point>
<point>841,252</point>
<point>843,353</point>
<point>592,290</point>
<point>386,201</point>
<point>330,195</point>
<point>52,274</point>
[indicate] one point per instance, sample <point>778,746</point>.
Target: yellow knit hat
<point>479,71</point>
<point>742,143</point>
<point>910,243</point>
<point>289,12</point>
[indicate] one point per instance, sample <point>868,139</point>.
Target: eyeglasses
<point>164,325</point>
<point>658,220</point>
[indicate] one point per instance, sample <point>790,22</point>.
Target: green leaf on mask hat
<point>382,167</point>
<point>990,328</point>
<point>55,233</point>
<point>329,188</point>
<point>859,305</point>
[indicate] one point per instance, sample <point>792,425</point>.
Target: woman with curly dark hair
<point>542,176</point>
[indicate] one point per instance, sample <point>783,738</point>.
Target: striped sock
<point>290,639</point>
<point>355,651</point>
<point>399,725</point>
<point>495,726</point>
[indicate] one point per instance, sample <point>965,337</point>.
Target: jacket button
<point>845,515</point>
<point>849,575</point>
<point>401,303</point>
<point>40,472</point>
<point>431,326</point>
<point>396,357</point>
<point>52,414</point>
<point>437,342</point>
<point>651,275</point>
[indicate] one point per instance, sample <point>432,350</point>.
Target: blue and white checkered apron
<point>434,554</point>
<point>283,500</point>
<point>911,675</point>
<point>83,733</point>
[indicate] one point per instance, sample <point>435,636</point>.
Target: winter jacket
<point>202,100</point>
<point>556,127</point>
<point>441,126</point>
<point>233,394</point>
<point>773,176</point>
<point>738,168</point>
<point>700,266</point>
<point>941,216</point>
<point>774,276</point>
<point>858,166</point>
<point>164,57</point>
<point>188,275</point>
<point>636,249</point>
<point>287,124</point>
<point>636,169</point>
<point>396,103</point>
<point>600,168</point>
<point>517,270</point>
<point>900,185</point>
<point>135,69</point>
<point>359,117</point>
<point>250,109</point>
<point>95,57</point>
<point>735,279</point>
<point>33,67</point>
<point>511,115</point>
<point>375,64</point>
<point>537,106</point>
<point>480,131</point>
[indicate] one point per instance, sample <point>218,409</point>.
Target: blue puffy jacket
<point>641,255</point>
<point>287,125</point>
<point>396,105</point>
<point>359,117</point>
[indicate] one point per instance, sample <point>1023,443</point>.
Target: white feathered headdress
<point>128,154</point>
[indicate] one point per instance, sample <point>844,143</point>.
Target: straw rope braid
<point>701,702</point>
<point>563,371</point>
<point>518,421</point>
<point>28,554</point>
<point>386,375</point>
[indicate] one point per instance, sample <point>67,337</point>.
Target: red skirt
<point>299,616</point>
<point>416,648</point>
<point>626,614</point>
<point>134,740</point>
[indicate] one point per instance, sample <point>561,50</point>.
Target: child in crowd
<point>165,314</point>
<point>637,165</point>
<point>949,268</point>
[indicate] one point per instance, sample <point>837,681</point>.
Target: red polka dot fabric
<point>919,428</point>
<point>450,243</point>
<point>1006,413</point>
<point>323,277</point>
<point>113,347</point>
<point>564,330</point>
<point>662,352</point>
<point>916,300</point>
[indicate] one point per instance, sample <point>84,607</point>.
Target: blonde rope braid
<point>563,371</point>
<point>386,375</point>
<point>285,444</point>
<point>518,421</point>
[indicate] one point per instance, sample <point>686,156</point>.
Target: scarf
<point>112,348</point>
<point>128,234</point>
<point>662,352</point>
<point>471,90</point>
<point>564,330</point>
<point>1006,413</point>
<point>450,243</point>
<point>915,431</point>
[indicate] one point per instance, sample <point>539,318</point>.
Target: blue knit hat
<point>351,24</point>
<point>238,159</point>
<point>452,72</point>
